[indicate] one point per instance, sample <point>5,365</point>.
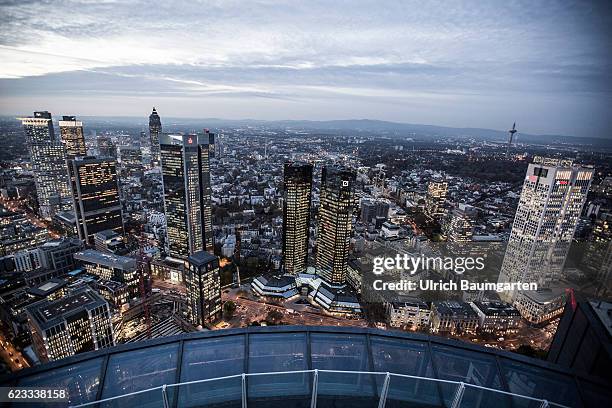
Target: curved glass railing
<point>321,388</point>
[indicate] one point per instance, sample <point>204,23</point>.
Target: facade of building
<point>96,196</point>
<point>410,314</point>
<point>187,194</point>
<point>110,267</point>
<point>71,132</point>
<point>106,147</point>
<point>335,223</point>
<point>109,241</point>
<point>168,269</point>
<point>583,340</point>
<point>542,305</point>
<point>203,282</point>
<point>48,158</point>
<point>212,146</point>
<point>74,324</point>
<point>453,317</point>
<point>436,197</point>
<point>554,192</point>
<point>296,216</point>
<point>497,317</point>
<point>155,132</point>
<point>131,161</point>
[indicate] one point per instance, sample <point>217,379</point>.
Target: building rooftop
<point>48,287</point>
<point>422,362</point>
<point>103,258</point>
<point>201,258</point>
<point>451,307</point>
<point>496,308</point>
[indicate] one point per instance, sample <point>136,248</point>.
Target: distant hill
<point>376,127</point>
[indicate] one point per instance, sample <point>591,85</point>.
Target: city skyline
<point>470,65</point>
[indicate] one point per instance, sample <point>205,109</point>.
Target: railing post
<point>244,391</point>
<point>458,395</point>
<point>544,404</point>
<point>383,393</point>
<point>165,396</point>
<point>315,385</point>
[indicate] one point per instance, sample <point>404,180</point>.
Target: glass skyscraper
<point>155,131</point>
<point>296,216</point>
<point>203,282</point>
<point>96,196</point>
<point>187,194</point>
<point>48,158</point>
<point>71,131</point>
<point>554,192</point>
<point>335,223</point>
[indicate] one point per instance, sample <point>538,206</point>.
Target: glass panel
<point>278,352</point>
<point>405,357</point>
<point>274,390</point>
<point>138,370</point>
<point>339,390</point>
<point>418,393</point>
<point>212,358</point>
<point>342,352</point>
<point>471,367</point>
<point>478,398</point>
<point>595,395</point>
<point>80,379</point>
<point>539,383</point>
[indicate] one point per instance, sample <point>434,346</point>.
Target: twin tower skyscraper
<point>335,220</point>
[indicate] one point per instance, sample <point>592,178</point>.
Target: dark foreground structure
<point>296,366</point>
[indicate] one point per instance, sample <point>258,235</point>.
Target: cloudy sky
<point>545,64</point>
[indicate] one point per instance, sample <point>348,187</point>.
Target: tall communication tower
<point>511,133</point>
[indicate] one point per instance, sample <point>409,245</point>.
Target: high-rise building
<point>335,223</point>
<point>554,192</point>
<point>96,196</point>
<point>48,158</point>
<point>155,131</point>
<point>71,131</point>
<point>76,323</point>
<point>187,194</point>
<point>203,282</point>
<point>436,196</point>
<point>296,216</point>
<point>460,227</point>
<point>106,147</point>
<point>212,147</point>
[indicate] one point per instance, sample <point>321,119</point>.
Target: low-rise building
<point>497,318</point>
<point>453,317</point>
<point>413,314</point>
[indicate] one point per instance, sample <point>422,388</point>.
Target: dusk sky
<point>545,64</point>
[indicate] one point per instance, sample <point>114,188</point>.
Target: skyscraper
<point>186,180</point>
<point>296,216</point>
<point>74,324</point>
<point>155,131</point>
<point>106,147</point>
<point>96,196</point>
<point>71,131</point>
<point>212,147</point>
<point>335,223</point>
<point>203,282</point>
<point>48,158</point>
<point>554,192</point>
<point>436,196</point>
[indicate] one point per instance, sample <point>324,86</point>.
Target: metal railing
<point>456,401</point>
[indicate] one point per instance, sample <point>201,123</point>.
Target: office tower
<point>106,147</point>
<point>368,212</point>
<point>71,131</point>
<point>186,180</point>
<point>96,196</point>
<point>460,227</point>
<point>71,325</point>
<point>48,158</point>
<point>155,132</point>
<point>131,161</point>
<point>107,266</point>
<point>203,282</point>
<point>554,192</point>
<point>335,223</point>
<point>212,147</point>
<point>436,196</point>
<point>296,216</point>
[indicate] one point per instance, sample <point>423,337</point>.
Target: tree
<point>229,308</point>
<point>274,317</point>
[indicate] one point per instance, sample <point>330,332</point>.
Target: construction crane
<point>511,133</point>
